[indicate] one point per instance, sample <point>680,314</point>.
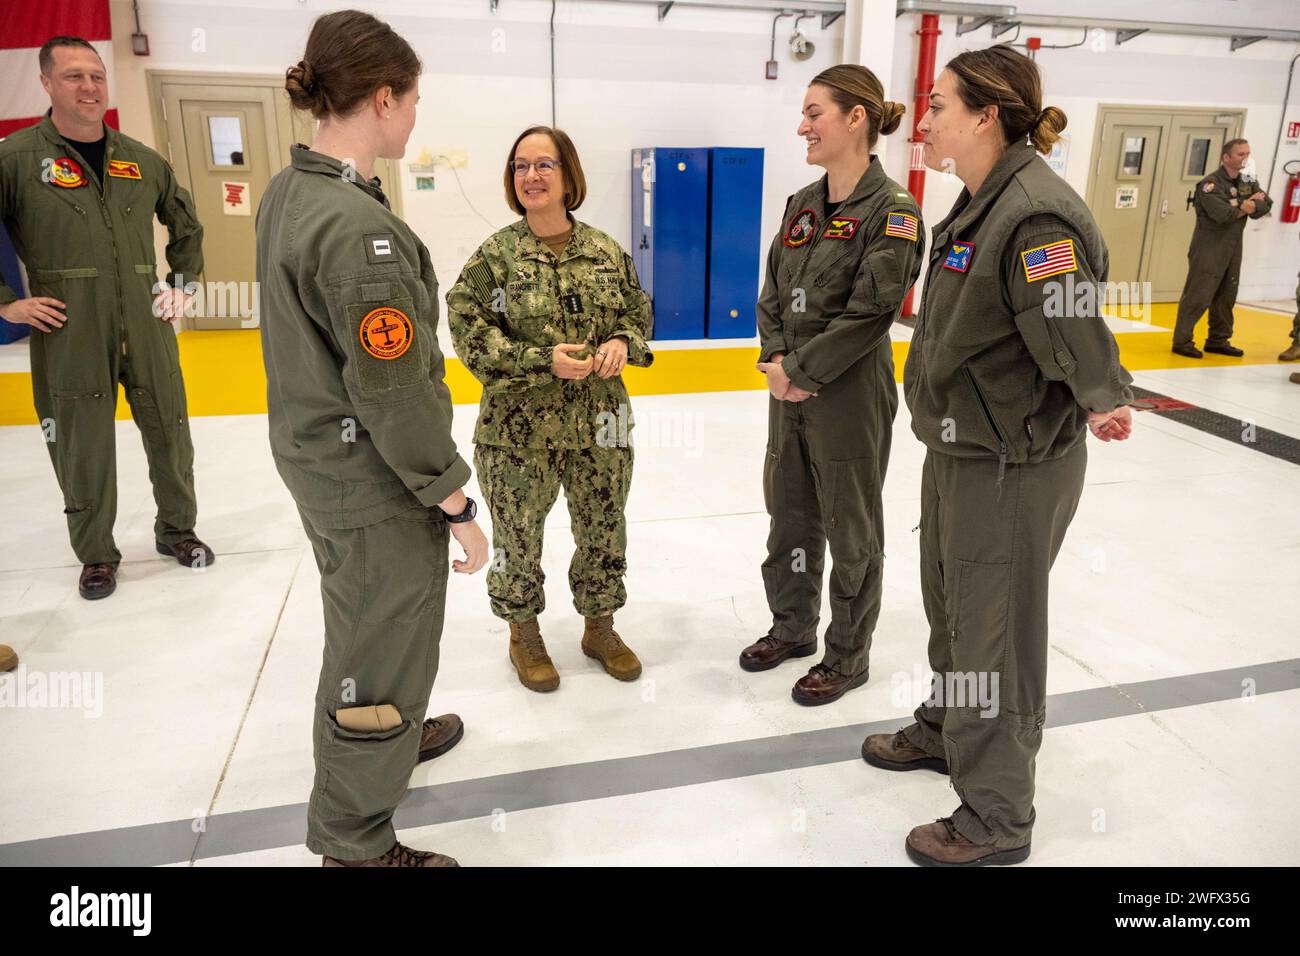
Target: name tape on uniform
<point>959,256</point>
<point>901,226</point>
<point>1049,260</point>
<point>841,228</point>
<point>386,333</point>
<point>123,169</point>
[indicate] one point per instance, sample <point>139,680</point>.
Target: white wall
<point>1150,69</point>
<point>625,80</point>
<point>696,79</point>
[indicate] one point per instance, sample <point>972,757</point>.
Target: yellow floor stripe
<point>223,370</point>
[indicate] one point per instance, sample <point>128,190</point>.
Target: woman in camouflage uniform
<point>546,314</point>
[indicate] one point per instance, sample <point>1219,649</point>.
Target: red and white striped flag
<point>1049,260</point>
<point>24,26</point>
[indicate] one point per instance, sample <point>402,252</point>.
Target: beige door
<point>1194,150</point>
<point>1122,190</point>
<point>1148,159</point>
<point>228,149</point>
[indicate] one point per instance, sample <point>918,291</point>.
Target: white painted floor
<point>1184,558</point>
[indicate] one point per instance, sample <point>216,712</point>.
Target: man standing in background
<point>1223,200</point>
<point>78,199</point>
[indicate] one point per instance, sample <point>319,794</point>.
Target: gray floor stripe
<point>248,830</point>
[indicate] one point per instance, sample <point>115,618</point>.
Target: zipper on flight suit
<point>108,221</point>
<point>997,432</point>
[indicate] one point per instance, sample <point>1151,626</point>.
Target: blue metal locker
<point>670,189</point>
<point>735,214</point>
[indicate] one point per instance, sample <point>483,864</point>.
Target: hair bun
<point>891,117</point>
<point>302,86</point>
<point>1047,128</point>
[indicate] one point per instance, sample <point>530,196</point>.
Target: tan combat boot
<point>1292,354</point>
<point>528,654</point>
<point>601,641</point>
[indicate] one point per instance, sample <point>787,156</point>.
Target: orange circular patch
<point>386,333</point>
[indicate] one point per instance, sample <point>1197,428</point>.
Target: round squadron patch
<point>801,229</point>
<point>1208,188</point>
<point>386,333</point>
<point>66,172</point>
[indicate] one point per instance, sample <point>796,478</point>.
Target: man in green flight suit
<point>78,200</point>
<point>1223,200</point>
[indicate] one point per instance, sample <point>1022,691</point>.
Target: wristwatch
<point>468,514</point>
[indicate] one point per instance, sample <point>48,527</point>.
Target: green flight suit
<point>1214,257</point>
<point>1009,354</point>
<point>90,244</point>
<point>515,300</point>
<point>360,423</point>
<point>833,288</point>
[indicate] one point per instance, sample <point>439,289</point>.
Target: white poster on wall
<point>1059,155</point>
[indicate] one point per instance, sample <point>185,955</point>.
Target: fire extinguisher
<point>1291,199</point>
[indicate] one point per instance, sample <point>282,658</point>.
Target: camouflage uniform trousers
<point>1295,323</point>
<point>520,485</point>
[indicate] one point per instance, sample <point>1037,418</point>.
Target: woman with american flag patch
<point>1003,389</point>
<point>849,249</point>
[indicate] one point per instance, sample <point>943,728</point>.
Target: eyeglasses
<point>544,166</point>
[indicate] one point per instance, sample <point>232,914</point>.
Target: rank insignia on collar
<point>841,228</point>
<point>801,229</point>
<point>959,256</point>
<point>121,169</point>
<point>66,172</point>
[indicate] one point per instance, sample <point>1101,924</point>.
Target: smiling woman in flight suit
<point>1002,386</point>
<point>849,249</point>
<point>360,423</point>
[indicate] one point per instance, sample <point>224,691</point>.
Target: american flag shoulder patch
<point>1049,260</point>
<point>901,225</point>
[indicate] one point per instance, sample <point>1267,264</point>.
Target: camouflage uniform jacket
<point>514,301</point>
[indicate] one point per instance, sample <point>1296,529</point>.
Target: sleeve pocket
<point>885,275</point>
<point>388,344</point>
<point>1055,361</point>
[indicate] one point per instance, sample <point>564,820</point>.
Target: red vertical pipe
<point>929,34</point>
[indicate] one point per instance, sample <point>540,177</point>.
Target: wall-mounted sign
<point>234,199</point>
<point>1126,197</point>
<point>1059,155</point>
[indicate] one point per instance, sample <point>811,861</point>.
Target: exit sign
<point>1292,130</point>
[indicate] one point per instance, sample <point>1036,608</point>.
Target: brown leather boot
<point>823,685</point>
<point>895,752</point>
<point>97,581</point>
<point>601,641</point>
<point>398,856</point>
<point>528,654</point>
<point>1292,354</point>
<point>192,553</point>
<point>438,735</point>
<point>8,658</point>
<point>767,652</point>
<point>939,844</point>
